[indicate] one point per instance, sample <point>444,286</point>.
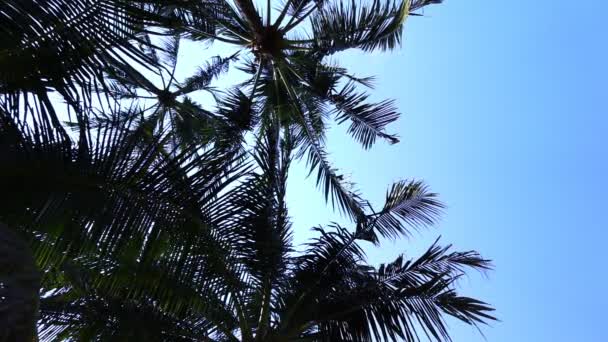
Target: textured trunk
<point>19,289</point>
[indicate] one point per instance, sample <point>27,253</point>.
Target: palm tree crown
<point>293,83</point>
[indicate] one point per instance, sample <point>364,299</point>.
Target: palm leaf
<point>204,75</point>
<point>406,202</point>
<point>395,302</point>
<point>367,120</point>
<point>111,190</point>
<point>65,45</point>
<point>369,27</point>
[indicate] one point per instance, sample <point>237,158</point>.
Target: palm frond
<point>120,202</point>
<point>238,116</point>
<point>263,226</point>
<point>331,183</point>
<point>317,271</point>
<point>102,317</point>
<point>65,45</point>
<point>204,75</point>
<point>379,25</point>
<point>400,300</point>
<point>200,20</point>
<point>328,179</point>
<point>343,26</point>
<point>168,52</point>
<point>367,120</point>
<point>408,203</point>
<point>138,181</point>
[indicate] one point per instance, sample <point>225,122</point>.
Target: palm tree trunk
<point>19,289</point>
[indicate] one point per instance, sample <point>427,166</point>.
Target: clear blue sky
<point>505,115</point>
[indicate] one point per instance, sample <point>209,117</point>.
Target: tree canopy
<point>133,212</point>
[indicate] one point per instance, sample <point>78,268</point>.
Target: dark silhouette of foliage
<point>130,212</point>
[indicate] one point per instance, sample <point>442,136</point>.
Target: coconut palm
<point>140,220</point>
<point>98,195</point>
<point>220,266</point>
<point>61,50</point>
<point>168,106</point>
<point>293,82</point>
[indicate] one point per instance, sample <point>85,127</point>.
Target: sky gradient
<point>504,114</point>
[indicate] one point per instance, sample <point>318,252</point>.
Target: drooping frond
<point>65,45</point>
<point>367,120</point>
<point>398,301</point>
<point>328,179</point>
<point>317,272</point>
<point>331,182</point>
<point>341,26</point>
<point>408,204</point>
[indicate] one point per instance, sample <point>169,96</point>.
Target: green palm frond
<point>396,301</point>
<point>65,45</point>
<point>264,229</point>
<point>131,208</point>
<point>367,120</point>
<point>379,25</point>
<point>170,107</point>
<point>332,184</point>
<point>328,179</point>
<point>407,202</point>
<point>343,26</point>
<point>107,173</point>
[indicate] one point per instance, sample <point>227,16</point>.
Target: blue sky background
<point>505,116</point>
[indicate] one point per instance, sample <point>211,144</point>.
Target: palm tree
<point>77,47</point>
<point>71,50</point>
<point>138,245</point>
<point>169,107</point>
<point>113,227</point>
<point>109,191</point>
<point>293,84</point>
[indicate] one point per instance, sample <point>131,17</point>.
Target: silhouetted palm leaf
<point>64,45</point>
